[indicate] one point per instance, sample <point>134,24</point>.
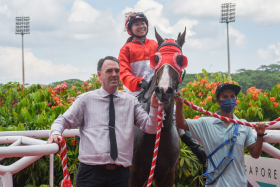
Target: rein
<point>160,122</point>
<point>141,96</point>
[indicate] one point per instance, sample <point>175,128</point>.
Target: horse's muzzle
<point>164,97</point>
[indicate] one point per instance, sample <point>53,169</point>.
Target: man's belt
<point>109,166</point>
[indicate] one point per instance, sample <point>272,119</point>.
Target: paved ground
<point>1,185</point>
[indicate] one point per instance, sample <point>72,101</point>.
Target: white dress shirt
<point>90,112</point>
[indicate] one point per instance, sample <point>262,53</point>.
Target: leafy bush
<point>265,77</point>
<point>256,105</point>
<point>36,107</point>
<point>189,169</point>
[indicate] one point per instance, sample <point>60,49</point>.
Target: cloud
<point>4,10</point>
<point>51,24</point>
<point>83,12</point>
<point>64,42</point>
<point>73,35</point>
<point>45,15</point>
<point>240,38</point>
<point>36,70</point>
<point>206,44</point>
<point>154,12</point>
<point>159,18</point>
<point>198,8</point>
<point>272,52</point>
<point>262,12</point>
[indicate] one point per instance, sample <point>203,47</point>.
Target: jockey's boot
<point>195,147</point>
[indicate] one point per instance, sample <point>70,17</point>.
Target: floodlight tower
<point>22,27</point>
<point>228,15</point>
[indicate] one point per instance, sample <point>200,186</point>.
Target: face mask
<point>228,105</point>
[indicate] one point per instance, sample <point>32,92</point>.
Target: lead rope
<point>66,182</point>
<point>160,121</point>
<point>200,109</point>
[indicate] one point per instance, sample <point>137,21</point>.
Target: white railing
<point>32,151</point>
<point>273,136</point>
<point>39,133</point>
<point>16,142</point>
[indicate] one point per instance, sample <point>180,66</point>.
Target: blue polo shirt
<point>211,132</point>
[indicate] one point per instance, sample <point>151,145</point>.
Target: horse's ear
<point>159,38</point>
<point>181,38</point>
<point>179,35</point>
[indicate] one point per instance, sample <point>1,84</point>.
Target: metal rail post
<point>7,180</point>
<point>51,170</point>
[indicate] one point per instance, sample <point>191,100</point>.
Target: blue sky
<point>68,37</point>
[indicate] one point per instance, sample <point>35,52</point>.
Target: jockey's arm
<point>179,114</point>
<point>126,76</point>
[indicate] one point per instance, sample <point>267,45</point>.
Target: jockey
<point>134,57</point>
<point>135,70</point>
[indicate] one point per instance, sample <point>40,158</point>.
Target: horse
<point>164,82</point>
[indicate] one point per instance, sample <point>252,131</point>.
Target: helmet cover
<point>169,53</point>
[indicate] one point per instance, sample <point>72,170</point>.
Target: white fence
<point>32,151</point>
<point>38,148</point>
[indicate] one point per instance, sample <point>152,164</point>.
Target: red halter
<point>167,54</point>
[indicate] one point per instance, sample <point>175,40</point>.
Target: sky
<point>68,37</point>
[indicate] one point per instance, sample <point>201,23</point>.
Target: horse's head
<point>168,63</point>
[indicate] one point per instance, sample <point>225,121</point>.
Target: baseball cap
<point>227,86</point>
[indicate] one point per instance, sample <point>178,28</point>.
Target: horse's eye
<point>179,60</point>
<point>156,59</point>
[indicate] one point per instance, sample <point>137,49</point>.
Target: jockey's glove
<point>144,84</point>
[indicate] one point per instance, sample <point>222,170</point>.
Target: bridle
<point>183,72</point>
<point>157,66</point>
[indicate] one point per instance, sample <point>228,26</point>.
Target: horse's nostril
<point>159,92</point>
<point>169,92</point>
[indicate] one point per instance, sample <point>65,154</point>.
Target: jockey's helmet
<point>133,17</point>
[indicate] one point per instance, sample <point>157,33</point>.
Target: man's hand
<point>256,148</point>
<point>260,128</point>
<point>179,114</point>
<point>154,101</point>
<point>178,98</point>
<point>54,138</point>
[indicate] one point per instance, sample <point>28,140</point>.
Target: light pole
<point>228,15</point>
<point>22,27</point>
